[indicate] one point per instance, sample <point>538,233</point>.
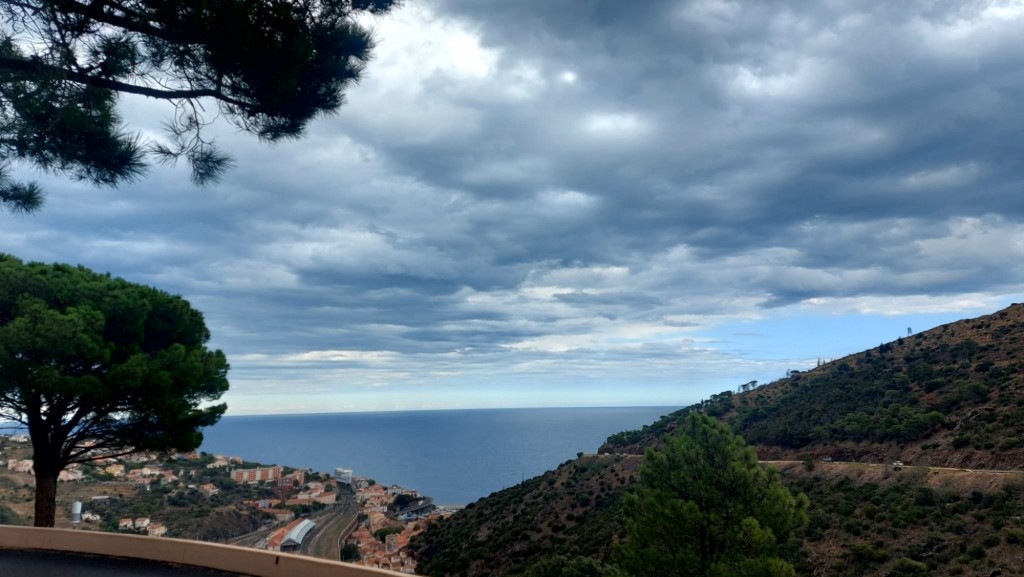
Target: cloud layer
<point>558,203</point>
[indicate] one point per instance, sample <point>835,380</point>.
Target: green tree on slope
<point>95,366</point>
<point>705,507</point>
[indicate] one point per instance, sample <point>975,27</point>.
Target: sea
<point>454,456</point>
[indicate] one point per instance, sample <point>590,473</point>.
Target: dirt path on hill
<point>894,467</point>
<point>960,478</point>
<point>937,477</point>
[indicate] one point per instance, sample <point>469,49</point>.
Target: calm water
<point>456,457</point>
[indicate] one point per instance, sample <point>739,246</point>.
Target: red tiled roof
<point>274,541</point>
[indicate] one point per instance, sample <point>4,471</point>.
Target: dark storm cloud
<point>547,191</point>
<point>761,117</point>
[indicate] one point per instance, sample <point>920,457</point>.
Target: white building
<point>343,475</point>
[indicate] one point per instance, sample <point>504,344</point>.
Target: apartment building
<point>249,476</point>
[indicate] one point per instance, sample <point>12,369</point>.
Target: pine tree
<point>269,67</point>
<point>705,507</point>
<point>97,367</point>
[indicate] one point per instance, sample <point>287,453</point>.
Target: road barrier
<point>208,555</point>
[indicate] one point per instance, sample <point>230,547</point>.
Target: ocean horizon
<point>456,456</point>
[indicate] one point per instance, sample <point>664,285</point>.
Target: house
<point>156,529</point>
<point>377,520</point>
<point>374,493</point>
<point>70,475</point>
<point>312,491</point>
<point>138,479</point>
<point>209,490</point>
<point>327,498</point>
<point>139,457</point>
<point>117,470</point>
<point>126,524</point>
<point>142,523</point>
<point>292,479</point>
<point>90,517</point>
<point>20,465</point>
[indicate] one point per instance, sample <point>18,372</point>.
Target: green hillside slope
<point>949,397</point>
<point>572,510</point>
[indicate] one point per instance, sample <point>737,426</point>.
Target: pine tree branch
<point>95,10</point>
<point>33,68</point>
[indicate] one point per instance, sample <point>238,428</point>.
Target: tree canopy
<point>269,67</point>
<point>705,507</point>
<point>95,366</point>
<point>563,566</point>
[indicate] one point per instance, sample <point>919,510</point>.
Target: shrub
<point>906,567</point>
<point>1013,536</point>
<point>991,541</point>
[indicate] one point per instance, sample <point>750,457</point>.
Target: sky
<point>590,203</point>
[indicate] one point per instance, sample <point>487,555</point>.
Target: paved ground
<point>21,563</point>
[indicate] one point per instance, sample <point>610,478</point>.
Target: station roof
<point>298,533</point>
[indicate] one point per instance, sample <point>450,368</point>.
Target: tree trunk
<point>46,494</point>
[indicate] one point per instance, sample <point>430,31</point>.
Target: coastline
<point>457,456</point>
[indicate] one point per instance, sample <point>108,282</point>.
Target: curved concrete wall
<point>210,555</point>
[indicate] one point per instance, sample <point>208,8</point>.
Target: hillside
<point>952,396</point>
<point>879,520</point>
<point>949,397</point>
<point>573,509</point>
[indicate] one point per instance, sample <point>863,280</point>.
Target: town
<point>220,498</point>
